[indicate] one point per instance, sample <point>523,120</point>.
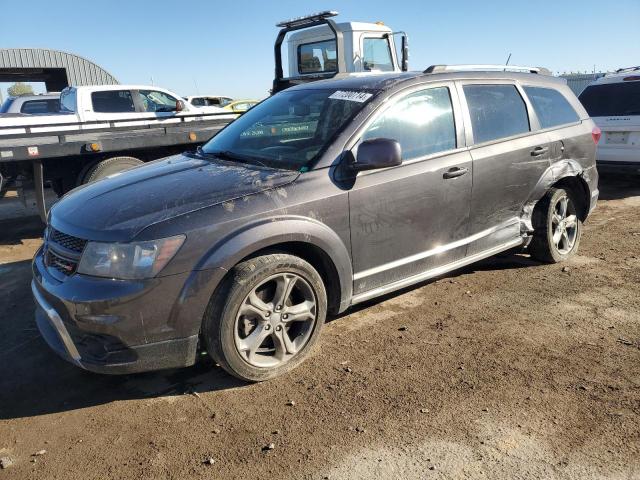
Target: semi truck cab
<point>318,48</point>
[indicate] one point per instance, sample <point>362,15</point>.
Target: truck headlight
<point>129,261</point>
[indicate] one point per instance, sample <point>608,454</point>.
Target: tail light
<point>596,133</point>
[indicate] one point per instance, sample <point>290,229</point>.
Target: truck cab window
<point>113,101</point>
<point>156,101</point>
<point>198,102</point>
<point>317,57</point>
<point>376,55</point>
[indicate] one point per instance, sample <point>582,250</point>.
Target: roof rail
<point>485,68</point>
<point>628,69</point>
<point>307,19</point>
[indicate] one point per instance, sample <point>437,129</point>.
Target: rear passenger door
<point>509,157</point>
<point>414,217</point>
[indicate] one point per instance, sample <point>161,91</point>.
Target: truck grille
<point>69,242</point>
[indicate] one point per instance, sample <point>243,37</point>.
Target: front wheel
<point>266,316</point>
<point>557,227</point>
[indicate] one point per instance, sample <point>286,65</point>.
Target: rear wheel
<point>108,167</point>
<point>557,227</point>
<point>266,316</point>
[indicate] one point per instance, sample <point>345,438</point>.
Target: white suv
<point>613,102</point>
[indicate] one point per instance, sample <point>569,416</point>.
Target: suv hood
<point>118,207</point>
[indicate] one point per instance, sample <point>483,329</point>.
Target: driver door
<point>412,218</point>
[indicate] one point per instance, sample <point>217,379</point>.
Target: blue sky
<point>226,47</point>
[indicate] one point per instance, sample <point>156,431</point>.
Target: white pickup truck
<point>110,103</point>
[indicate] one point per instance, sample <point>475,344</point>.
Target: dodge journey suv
<point>321,197</point>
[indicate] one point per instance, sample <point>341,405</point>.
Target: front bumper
<point>117,327</point>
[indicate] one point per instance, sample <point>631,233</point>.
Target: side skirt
<point>434,272</point>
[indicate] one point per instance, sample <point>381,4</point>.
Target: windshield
<point>612,99</point>
<point>291,129</point>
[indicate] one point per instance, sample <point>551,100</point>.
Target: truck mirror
<point>179,105</point>
<point>405,53</point>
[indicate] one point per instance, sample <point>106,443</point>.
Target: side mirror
<point>180,106</point>
<point>377,153</point>
<point>404,42</point>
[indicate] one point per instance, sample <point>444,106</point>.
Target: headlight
<point>128,261</point>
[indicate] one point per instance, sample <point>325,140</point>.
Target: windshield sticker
<point>351,96</point>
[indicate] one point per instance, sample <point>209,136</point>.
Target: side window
<point>112,101</point>
<point>551,107</point>
<point>155,101</point>
<point>497,111</point>
<point>422,122</point>
<point>197,102</point>
<point>376,55</point>
<point>317,57</point>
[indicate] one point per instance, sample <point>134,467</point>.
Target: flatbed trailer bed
<point>60,151</point>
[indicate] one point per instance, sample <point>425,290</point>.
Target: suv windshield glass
<point>612,99</point>
<point>289,130</point>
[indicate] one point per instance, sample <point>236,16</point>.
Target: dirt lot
<point>508,369</point>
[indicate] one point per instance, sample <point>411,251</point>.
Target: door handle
<point>536,152</point>
<point>455,172</point>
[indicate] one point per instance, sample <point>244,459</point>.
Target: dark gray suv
<point>321,197</point>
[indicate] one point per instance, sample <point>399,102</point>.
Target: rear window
<point>612,99</point>
<point>113,101</point>
<point>317,57</point>
<point>551,107</point>
<point>497,111</point>
<point>40,106</point>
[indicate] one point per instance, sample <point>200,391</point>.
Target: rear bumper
<point>619,166</point>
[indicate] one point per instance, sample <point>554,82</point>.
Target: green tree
<point>19,88</point>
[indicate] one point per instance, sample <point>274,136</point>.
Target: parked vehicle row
<point>368,184</point>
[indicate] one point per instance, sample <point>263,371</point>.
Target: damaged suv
<point>321,197</point>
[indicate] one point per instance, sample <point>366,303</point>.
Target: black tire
<point>108,167</point>
<point>221,323</point>
<point>543,247</point>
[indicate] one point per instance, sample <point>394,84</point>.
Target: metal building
<point>578,81</point>
<point>56,69</point>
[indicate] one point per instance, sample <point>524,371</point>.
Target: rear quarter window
<point>551,107</point>
<point>496,111</point>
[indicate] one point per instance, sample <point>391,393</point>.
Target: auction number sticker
<point>351,96</point>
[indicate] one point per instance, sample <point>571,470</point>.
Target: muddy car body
<point>259,246</point>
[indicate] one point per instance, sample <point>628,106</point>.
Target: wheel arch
<point>309,239</point>
<point>567,174</point>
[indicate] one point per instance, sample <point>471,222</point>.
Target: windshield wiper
<point>233,156</point>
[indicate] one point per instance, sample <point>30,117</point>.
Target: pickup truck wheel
<point>266,317</point>
<point>557,227</point>
<point>108,167</point>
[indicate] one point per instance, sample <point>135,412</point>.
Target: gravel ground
<point>507,369</point>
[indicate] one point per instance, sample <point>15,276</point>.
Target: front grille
<point>63,265</point>
<point>63,251</point>
<point>69,242</point>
